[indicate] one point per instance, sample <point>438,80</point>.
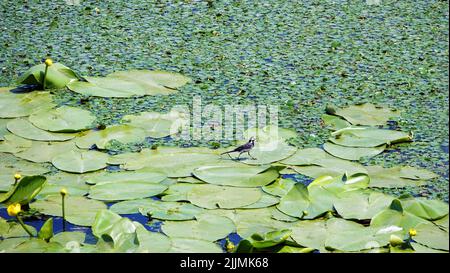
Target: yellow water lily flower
<point>412,232</point>
<point>48,62</point>
<point>17,176</point>
<point>14,209</point>
<point>230,246</point>
<point>63,191</point>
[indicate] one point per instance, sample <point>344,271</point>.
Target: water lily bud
<point>63,192</point>
<point>394,240</point>
<point>17,176</point>
<point>14,209</point>
<point>412,232</point>
<point>305,212</point>
<point>48,62</point>
<point>230,246</point>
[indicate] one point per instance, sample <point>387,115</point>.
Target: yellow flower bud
<point>305,212</point>
<point>48,62</point>
<point>14,209</point>
<point>394,240</point>
<point>63,192</point>
<point>17,176</point>
<point>412,232</point>
<point>230,246</point>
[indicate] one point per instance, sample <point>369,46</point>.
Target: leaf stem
<point>45,77</point>
<point>63,212</point>
<point>19,219</point>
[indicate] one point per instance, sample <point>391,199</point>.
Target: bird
<point>243,149</point>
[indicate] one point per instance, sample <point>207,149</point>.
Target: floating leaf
<point>280,187</point>
<point>361,205</point>
<point>158,125</point>
<point>25,129</point>
<point>266,153</point>
<point>10,165</point>
<point>66,237</point>
<point>418,248</point>
<point>50,189</point>
<point>352,153</point>
<point>58,75</point>
<point>236,175</point>
<point>63,119</point>
<point>206,227</point>
<point>395,177</point>
<point>177,192</point>
<point>269,239</point>
<point>395,216</point>
<point>131,206</point>
<point>368,137</point>
<point>367,114</point>
<point>310,233</point>
<point>107,87</point>
<point>330,167</point>
<point>80,161</point>
<point>14,144</point>
<point>46,232</point>
<point>170,210</point>
<point>21,105</point>
<point>266,200</point>
<point>24,191</point>
<point>442,223</point>
<point>126,190</point>
<point>79,210</point>
<point>306,157</point>
<point>250,221</point>
<point>188,245</point>
<point>335,123</point>
<point>151,242</point>
<point>41,152</point>
<point>12,230</point>
<point>3,130</point>
<point>432,236</point>
<point>122,133</point>
<point>142,175</point>
<point>212,196</point>
<point>425,208</point>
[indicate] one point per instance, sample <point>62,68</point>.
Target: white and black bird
<point>246,148</point>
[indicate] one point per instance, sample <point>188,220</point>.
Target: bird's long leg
<point>239,155</point>
<point>251,155</point>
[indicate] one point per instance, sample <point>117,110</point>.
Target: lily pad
<point>213,196</point>
<point>24,191</point>
<point>368,137</point>
<point>151,242</point>
<point>432,236</point>
<point>24,129</point>
<point>21,105</point>
<point>310,233</point>
<point>367,114</point>
<point>334,122</point>
<point>174,211</point>
<point>131,206</point>
<point>280,187</point>
<point>64,119</point>
<point>206,227</point>
<point>58,75</point>
<point>10,165</point>
<point>158,125</point>
<point>266,200</point>
<point>14,144</point>
<point>330,167</point>
<point>41,152</point>
<point>306,157</point>
<point>352,153</point>
<point>425,208</point>
<point>124,190</point>
<point>142,176</point>
<point>122,133</point>
<point>266,153</point>
<point>177,192</point>
<point>12,230</point>
<point>3,130</point>
<point>236,175</point>
<point>189,245</point>
<point>397,177</point>
<point>51,189</point>
<point>442,223</point>
<point>79,210</point>
<point>361,205</point>
<point>250,221</point>
<point>80,161</point>
<point>66,237</point>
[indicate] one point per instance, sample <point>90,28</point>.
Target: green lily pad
<point>236,175</point>
<point>331,167</point>
<point>418,248</point>
<point>174,211</point>
<point>124,190</point>
<point>367,114</point>
<point>306,157</point>
<point>14,144</point>
<point>24,129</point>
<point>122,133</point>
<point>442,223</point>
<point>24,191</point>
<point>142,175</point>
<point>269,134</point>
<point>79,210</point>
<point>432,236</point>
<point>58,75</point>
<point>80,161</point>
<point>21,105</point>
<point>158,125</point>
<point>72,179</point>
<point>66,237</point>
<point>266,153</point>
<point>310,233</point>
<point>189,245</point>
<point>368,137</point>
<point>280,216</point>
<point>250,221</point>
<point>361,205</point>
<point>213,196</point>
<point>10,165</point>
<point>35,245</point>
<point>41,152</point>
<point>51,189</point>
<point>280,187</point>
<point>207,227</point>
<point>13,230</point>
<point>352,153</point>
<point>334,123</point>
<point>177,192</point>
<point>131,206</point>
<point>266,200</point>
<point>3,130</point>
<point>151,242</point>
<point>397,177</point>
<point>64,119</point>
<point>425,208</point>
<point>190,179</point>
<point>107,87</point>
